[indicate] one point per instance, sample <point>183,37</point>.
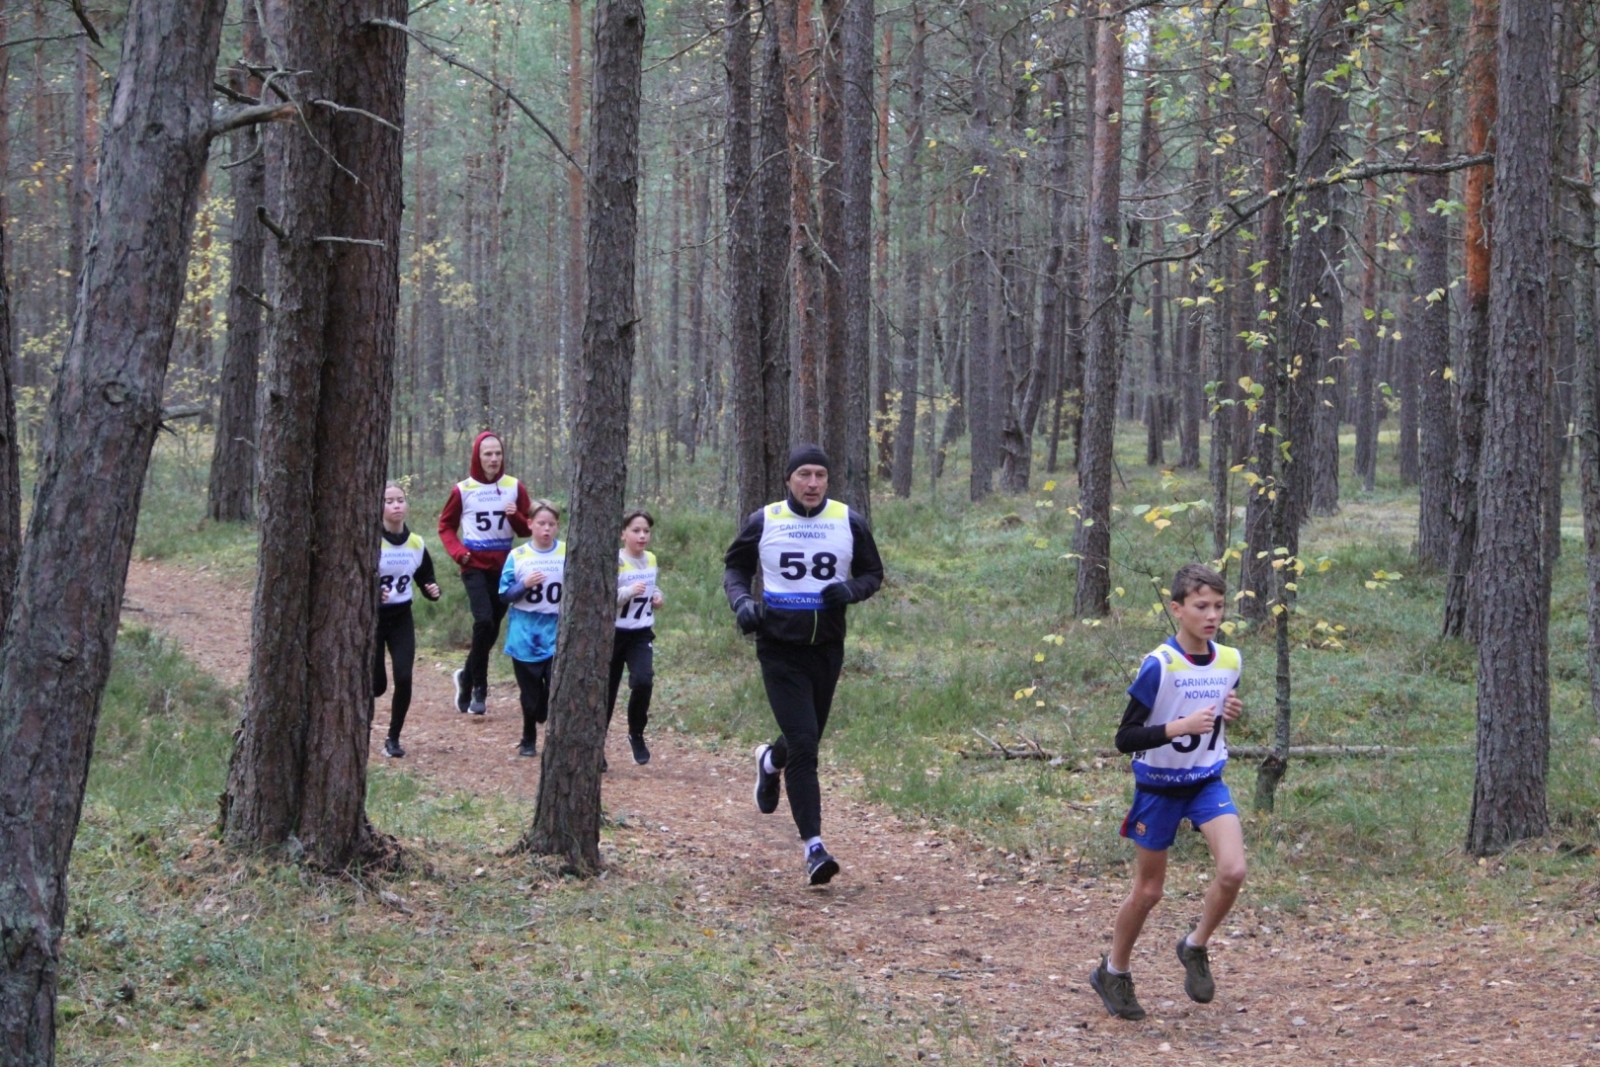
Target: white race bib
<point>801,555</point>
<point>635,613</point>
<point>485,526</point>
<point>1186,688</point>
<point>396,568</point>
<point>545,597</point>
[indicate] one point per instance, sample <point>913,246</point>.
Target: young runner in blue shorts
<point>1173,728</point>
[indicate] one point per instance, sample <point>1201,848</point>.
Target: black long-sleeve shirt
<point>743,562</point>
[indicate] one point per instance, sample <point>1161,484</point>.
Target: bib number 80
<point>792,565</point>
<point>540,594</point>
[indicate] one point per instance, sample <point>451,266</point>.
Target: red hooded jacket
<point>450,519</point>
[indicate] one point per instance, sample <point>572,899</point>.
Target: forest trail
<point>919,916</point>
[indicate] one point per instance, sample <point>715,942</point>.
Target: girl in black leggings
<point>403,566</point>
<point>638,597</point>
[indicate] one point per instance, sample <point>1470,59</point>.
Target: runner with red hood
<point>476,528</point>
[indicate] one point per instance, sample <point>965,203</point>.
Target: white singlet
<point>800,555</point>
<point>635,613</point>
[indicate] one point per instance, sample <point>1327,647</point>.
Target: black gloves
<point>748,613</point>
<point>836,595</point>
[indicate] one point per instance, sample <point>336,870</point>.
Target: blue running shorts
<point>1153,820</point>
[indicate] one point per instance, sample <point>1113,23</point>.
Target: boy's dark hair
<point>536,506</point>
<point>638,513</point>
<point>1193,576</point>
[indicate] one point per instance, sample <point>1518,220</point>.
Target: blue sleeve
<point>508,582</point>
<point>1148,683</point>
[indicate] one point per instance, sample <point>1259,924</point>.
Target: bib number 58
<point>792,565</point>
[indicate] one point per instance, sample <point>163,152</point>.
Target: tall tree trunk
<point>1371,314</point>
<point>567,820</point>
<point>794,28</point>
<point>772,194</point>
<point>835,368</point>
<point>860,134</point>
<point>908,378</point>
<point>1312,278</point>
<point>1586,316</point>
<point>1266,342</point>
<point>10,447</point>
<point>102,421</point>
<point>1102,358</point>
<point>882,345</point>
<point>1436,453</point>
<point>1333,387</point>
<point>299,766</point>
<point>1508,795</point>
<point>744,329</point>
<point>230,495</point>
<point>1460,601</point>
<point>575,205</point>
<point>979,397</point>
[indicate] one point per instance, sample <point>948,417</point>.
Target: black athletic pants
<point>635,650</point>
<point>487,611</point>
<point>396,632</point>
<point>800,680</point>
<point>533,684</point>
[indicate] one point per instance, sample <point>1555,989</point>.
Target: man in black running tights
<point>815,556</point>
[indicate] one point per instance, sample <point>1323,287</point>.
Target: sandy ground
<point>922,918</point>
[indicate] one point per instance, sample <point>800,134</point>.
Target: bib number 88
<point>392,585</point>
<point>792,565</point>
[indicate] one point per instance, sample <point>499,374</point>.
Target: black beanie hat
<point>802,455</point>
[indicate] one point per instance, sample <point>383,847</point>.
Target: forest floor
<point>926,916</point>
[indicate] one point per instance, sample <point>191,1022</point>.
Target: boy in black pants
<point>815,556</point>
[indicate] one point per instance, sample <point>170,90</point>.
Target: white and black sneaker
<point>820,866</point>
<point>463,694</point>
<point>479,704</point>
<point>766,783</point>
<point>392,749</point>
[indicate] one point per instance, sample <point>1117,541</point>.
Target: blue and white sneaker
<point>820,866</point>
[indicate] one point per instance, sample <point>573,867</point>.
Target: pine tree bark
<point>1257,575</point>
<point>744,329</point>
<point>10,448</point>
<point>794,28</point>
<point>979,399</point>
<point>1436,452</point>
<point>297,780</point>
<point>860,135</point>
<point>1102,357</point>
<point>103,418</point>
<point>883,430</point>
<point>575,207</point>
<point>230,495</point>
<point>773,306</point>
<point>1460,601</point>
<point>835,369</point>
<point>909,364</point>
<point>1366,458</point>
<point>566,822</point>
<point>1513,749</point>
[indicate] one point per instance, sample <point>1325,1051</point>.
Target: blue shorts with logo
<point>1153,820</point>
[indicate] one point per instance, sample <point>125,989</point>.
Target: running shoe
<point>392,749</point>
<point>641,752</point>
<point>463,694</point>
<point>1196,971</point>
<point>528,748</point>
<point>1116,992</point>
<point>766,783</point>
<point>820,866</point>
<point>479,705</point>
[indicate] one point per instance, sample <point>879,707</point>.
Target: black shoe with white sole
<point>479,704</point>
<point>463,693</point>
<point>766,783</point>
<point>820,866</point>
<point>392,749</point>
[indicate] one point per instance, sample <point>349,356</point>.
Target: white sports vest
<point>545,597</point>
<point>1185,689</point>
<point>484,524</point>
<point>635,613</point>
<point>396,566</point>
<point>800,555</point>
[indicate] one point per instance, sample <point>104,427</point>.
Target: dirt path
<point>920,918</point>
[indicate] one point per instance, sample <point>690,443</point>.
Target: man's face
<point>492,455</point>
<point>809,484</point>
